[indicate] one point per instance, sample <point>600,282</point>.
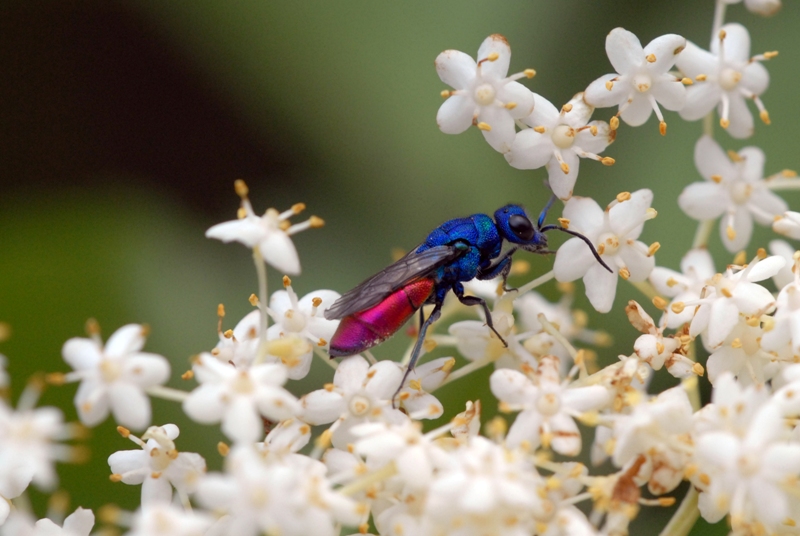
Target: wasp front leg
<point>458,289</point>
<point>500,268</point>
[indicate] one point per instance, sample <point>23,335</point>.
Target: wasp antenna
<point>543,214</point>
<point>579,235</point>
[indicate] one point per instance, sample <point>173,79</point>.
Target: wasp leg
<point>434,316</point>
<point>502,267</point>
<point>458,289</point>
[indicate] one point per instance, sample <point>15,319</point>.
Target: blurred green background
<point>123,125</point>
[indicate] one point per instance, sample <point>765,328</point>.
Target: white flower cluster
<point>353,456</point>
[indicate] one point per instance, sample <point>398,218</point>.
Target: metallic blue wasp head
<point>515,226</point>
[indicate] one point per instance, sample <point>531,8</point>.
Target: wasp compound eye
<point>521,226</point>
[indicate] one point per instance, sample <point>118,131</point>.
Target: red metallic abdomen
<point>365,329</point>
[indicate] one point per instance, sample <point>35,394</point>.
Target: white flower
<point>168,520</point>
<point>290,435</point>
<point>750,475</point>
<point>686,286</point>
<point>414,454</point>
<point>299,319</point>
<point>735,293</point>
<point>786,327</point>
<point>114,377</point>
<point>288,495</point>
<point>558,139</point>
<point>657,430</point>
<point>483,94</point>
<point>783,249</point>
<point>643,81</point>
<point>239,397</point>
<point>788,224</point>
<point>548,407</point>
<point>766,8</point>
<point>158,466</point>
<point>483,487</point>
<point>732,409</point>
<point>614,233</point>
<point>78,523</point>
<point>269,233</point>
<point>363,393</point>
<point>656,349</point>
<point>734,189</point>
<point>726,78</point>
<point>741,355</point>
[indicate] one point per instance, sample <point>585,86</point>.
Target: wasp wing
<point>413,266</point>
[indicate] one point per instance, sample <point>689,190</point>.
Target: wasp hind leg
<point>423,328</point>
<point>458,289</point>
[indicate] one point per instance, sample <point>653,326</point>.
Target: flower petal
<point>498,68</point>
<point>455,68</point>
<point>741,120</point>
<point>700,100</point>
<point>737,43</point>
<point>638,111</point>
<point>742,225</point>
<point>561,183</point>
<point>585,216</point>
<point>703,200</point>
<point>601,287</point>
<point>666,50</point>
<point>455,114</point>
<point>623,214</point>
<point>502,133</point>
<point>530,150</point>
<point>278,250</point>
<point>125,340</point>
<point>599,96</point>
<point>573,260</point>
<point>624,50</point>
<point>670,93</point>
<point>519,95</point>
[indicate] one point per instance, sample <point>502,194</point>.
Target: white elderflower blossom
<point>656,349</point>
<point>684,287</point>
<point>158,466</point>
<point>169,520</point>
<point>547,407</point>
<point>614,233</point>
<point>726,78</point>
<point>735,293</point>
<point>785,275</point>
<point>484,489</point>
<point>299,324</point>
<point>735,189</point>
<point>788,224</point>
<point>742,355</point>
<point>642,80</point>
<point>658,431</point>
<point>766,8</point>
<point>269,233</point>
<point>78,523</point>
<point>558,140</point>
<point>288,495</point>
<point>753,476</point>
<point>732,409</point>
<point>484,95</point>
<point>115,376</point>
<point>239,397</point>
<point>784,330</point>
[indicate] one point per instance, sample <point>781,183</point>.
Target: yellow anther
<point>771,54</point>
<point>284,225</point>
<point>593,130</point>
<point>655,246</point>
<point>736,343</point>
<point>565,167</point>
<point>614,123</point>
<point>429,345</point>
<point>253,299</point>
<point>724,123</point>
<point>188,375</point>
<point>764,115</point>
<point>704,479</point>
<point>484,126</point>
<point>415,385</point>
<point>510,105</point>
<point>609,85</point>
<point>716,178</point>
<point>608,161</point>
<point>761,253</point>
<point>789,173</point>
<point>315,222</point>
<point>740,258</point>
<point>686,81</point>
<point>651,58</point>
<point>723,34</point>
<point>530,73</point>
<point>240,187</point>
<point>445,93</point>
<point>601,248</point>
<point>701,78</point>
<point>297,208</point>
<point>753,321</point>
<point>316,302</point>
<point>698,369</point>
<point>659,348</point>
<point>671,282</point>
<point>241,213</point>
<point>286,281</point>
<point>659,303</point>
<point>624,273</point>
<point>623,196</point>
<point>730,232</point>
<point>727,293</point>
<point>228,334</point>
<point>662,128</point>
<point>540,130</point>
<point>566,108</point>
<point>678,307</point>
<point>666,501</point>
<point>564,222</point>
<point>321,342</point>
<point>492,56</point>
<point>115,477</point>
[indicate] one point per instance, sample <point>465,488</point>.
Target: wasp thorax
<point>729,78</point>
<point>484,94</point>
<point>563,136</point>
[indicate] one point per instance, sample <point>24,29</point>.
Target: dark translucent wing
<point>376,288</point>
